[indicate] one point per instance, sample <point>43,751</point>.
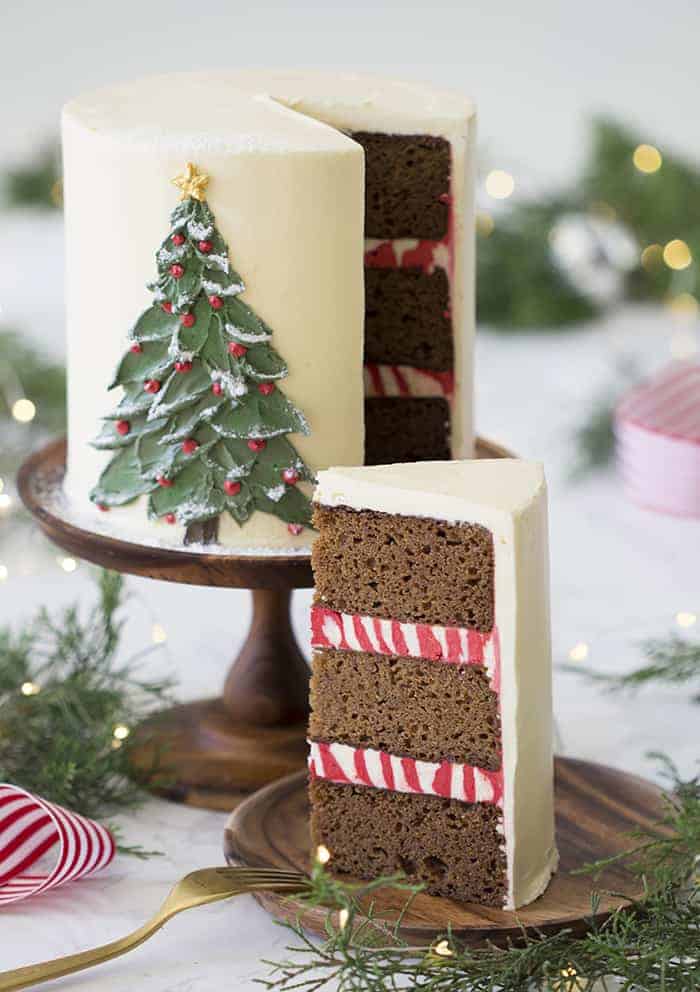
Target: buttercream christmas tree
<point>202,426</point>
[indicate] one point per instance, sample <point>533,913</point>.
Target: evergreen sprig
<point>62,693</point>
<point>673,660</point>
<point>594,438</point>
<point>519,285</point>
<point>652,946</point>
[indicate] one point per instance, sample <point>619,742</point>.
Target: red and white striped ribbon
<point>668,404</point>
<point>29,828</point>
<point>657,427</point>
<point>432,642</point>
<point>347,765</point>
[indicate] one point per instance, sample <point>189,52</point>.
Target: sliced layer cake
<point>431,731</point>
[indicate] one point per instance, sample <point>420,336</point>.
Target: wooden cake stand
<point>216,751</point>
<point>595,808</point>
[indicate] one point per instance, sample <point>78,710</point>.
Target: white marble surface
<point>618,574</point>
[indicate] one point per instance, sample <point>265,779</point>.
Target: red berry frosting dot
<point>256,444</point>
<point>237,349</point>
<point>170,518</point>
<point>205,247</point>
<point>177,271</point>
<point>188,320</point>
<point>162,481</point>
<point>123,427</point>
<point>215,302</point>
<point>167,306</point>
<point>266,388</point>
<point>178,239</point>
<point>189,446</point>
<point>217,389</point>
<point>295,529</point>
<point>290,476</point>
<point>232,488</point>
<point>151,386</point>
<point>136,348</point>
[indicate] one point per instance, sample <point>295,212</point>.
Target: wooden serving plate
<point>215,751</point>
<point>596,807</point>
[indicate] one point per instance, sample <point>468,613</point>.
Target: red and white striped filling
<point>409,253</point>
<point>345,764</point>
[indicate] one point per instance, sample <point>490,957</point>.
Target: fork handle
<point>33,974</point>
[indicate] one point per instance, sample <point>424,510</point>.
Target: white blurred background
<point>536,69</point>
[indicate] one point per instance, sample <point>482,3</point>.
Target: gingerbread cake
<point>431,730</point>
<point>315,272</point>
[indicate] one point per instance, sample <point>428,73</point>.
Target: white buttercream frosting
<point>287,193</point>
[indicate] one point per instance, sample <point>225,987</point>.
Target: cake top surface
<point>462,491</point>
<point>247,110</point>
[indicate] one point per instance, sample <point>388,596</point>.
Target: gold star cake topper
<point>192,182</point>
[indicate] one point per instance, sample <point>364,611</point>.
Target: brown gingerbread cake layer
<point>404,568</point>
<point>407,182</point>
<point>407,319</point>
<point>430,710</point>
<point>406,429</point>
<point>454,848</point>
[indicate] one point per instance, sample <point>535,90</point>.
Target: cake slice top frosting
<point>251,110</point>
<point>461,491</point>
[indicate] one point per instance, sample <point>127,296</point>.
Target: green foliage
<point>202,392</point>
<point>594,438</point>
<point>58,741</point>
<point>657,207</point>
<point>518,283</point>
<point>652,947</point>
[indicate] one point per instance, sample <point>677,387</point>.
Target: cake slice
<point>431,726</point>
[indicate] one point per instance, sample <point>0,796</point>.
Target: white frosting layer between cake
<point>287,193</point>
<point>509,497</point>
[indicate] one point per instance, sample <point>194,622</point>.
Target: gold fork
<point>196,889</point>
